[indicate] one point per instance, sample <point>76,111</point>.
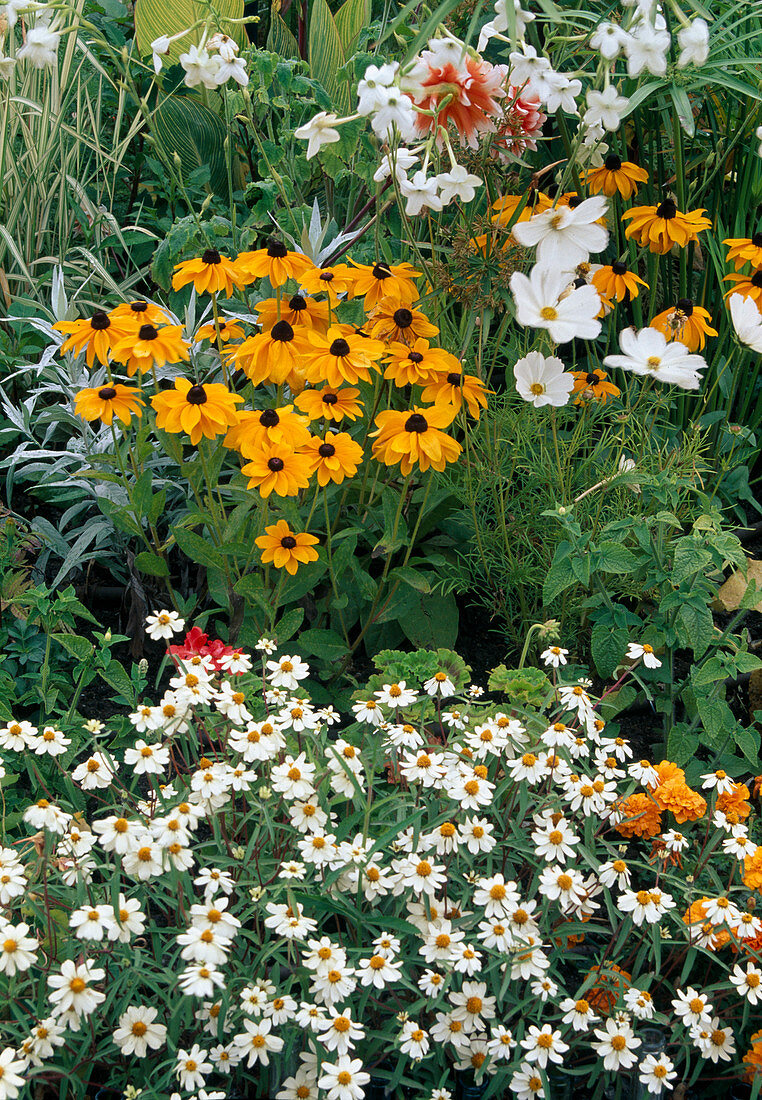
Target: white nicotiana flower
<point>608,40</point>
<point>458,183</point>
<point>421,193</point>
<point>647,48</point>
<point>606,108</point>
<point>200,66</point>
<point>319,131</point>
<point>500,25</point>
<point>41,41</point>
<point>694,44</point>
<point>397,161</point>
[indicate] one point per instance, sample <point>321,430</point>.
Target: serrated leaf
<point>614,558</point>
<point>560,577</point>
<point>681,744</point>
<point>197,548</point>
<point>74,644</point>
<point>608,647</point>
<point>288,624</point>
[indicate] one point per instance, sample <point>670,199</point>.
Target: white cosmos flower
<point>319,131</point>
<point>543,300</point>
<point>747,321</point>
<point>649,353</point>
<point>565,237</point>
<point>606,108</point>
<point>694,44</point>
<point>542,381</point>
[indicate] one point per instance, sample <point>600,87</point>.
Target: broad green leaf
<point>117,677</point>
<point>280,40</point>
<point>351,17</point>
<point>608,648</point>
<point>288,624</point>
<point>326,644</point>
<point>151,564</point>
<point>77,646</point>
<point>197,548</point>
<point>154,18</point>
<point>560,577</point>
<point>614,558</point>
<point>434,621</point>
<point>326,54</point>
<point>681,744</point>
<point>184,126</point>
<point>683,109</point>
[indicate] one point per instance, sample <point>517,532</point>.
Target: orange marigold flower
<point>665,770</point>
<point>688,324</point>
<point>415,437</point>
<point>660,227</point>
<point>109,401</point>
<point>608,986</point>
<point>286,549</point>
<point>210,273</point>
<point>753,1058</point>
<point>735,801</point>
<point>197,410</point>
<point>682,802</point>
<point>642,816</point>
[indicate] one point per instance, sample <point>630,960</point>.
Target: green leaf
<point>560,577</point>
<point>186,127</point>
<point>326,54</point>
<point>681,744</point>
<point>748,741</point>
<point>411,577</point>
<point>351,17</point>
<point>74,644</point>
<point>117,677</point>
<point>696,619</point>
<point>288,624</point>
<point>280,40</point>
<point>433,622</point>
<point>197,548</point>
<point>608,647</point>
<point>614,558</point>
<point>154,18</point>
<point>151,564</point>
<point>141,493</point>
<point>326,644</point>
<point>683,109</point>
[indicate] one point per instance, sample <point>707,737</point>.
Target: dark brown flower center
<point>574,201</point>
<point>196,395</point>
<point>269,418</point>
<point>138,307</point>
<point>147,332</point>
<point>275,464</point>
<point>282,331</point>
<point>453,378</point>
<point>288,541</point>
<point>685,305</point>
<point>276,249</point>
<point>619,268</point>
<point>330,398</point>
<point>211,256</point>
<point>108,393</point>
<point>100,321</point>
<point>326,276</point>
<point>297,303</point>
<point>666,209</point>
<point>381,271</point>
<point>756,279</point>
<point>612,163</point>
<point>416,423</point>
<point>415,357</point>
<point>326,450</point>
<point>756,240</point>
<point>592,379</point>
<point>339,347</point>
<point>403,318</point>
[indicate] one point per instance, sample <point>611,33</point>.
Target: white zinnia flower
<point>137,1031</point>
<point>657,1073</point>
<point>163,624</point>
<point>635,652</point>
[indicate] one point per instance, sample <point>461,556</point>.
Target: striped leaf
<point>326,54</point>
<point>154,18</point>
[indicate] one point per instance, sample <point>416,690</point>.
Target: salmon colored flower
<point>330,403</point>
<point>414,437</point>
<point>460,90</point>
<point>262,426</point>
<point>210,273</point>
<point>391,321</point>
<point>660,227</point>
<point>616,281</point>
<point>616,176</point>
<point>641,816</point>
<point>285,549</point>
<point>278,468</point>
<point>454,388</point>
<point>372,282</point>
<point>688,324</point>
<point>334,458</point>
<point>519,125</point>
<point>299,311</point>
<point>274,262</point>
<point>198,410</point>
<point>149,347</point>
<point>109,401</point>
<point>341,355</point>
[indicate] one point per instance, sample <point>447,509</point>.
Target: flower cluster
<point>426,886</point>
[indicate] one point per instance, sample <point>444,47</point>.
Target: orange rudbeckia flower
<point>109,401</point>
<point>660,227</point>
<point>686,323</point>
<point>285,549</point>
<point>278,468</point>
<point>330,402</point>
<point>416,437</point>
<point>273,262</point>
<point>334,458</point>
<point>198,410</point>
<point>210,273</point>
<point>341,355</point>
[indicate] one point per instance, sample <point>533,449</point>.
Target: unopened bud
<point>143,667</point>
